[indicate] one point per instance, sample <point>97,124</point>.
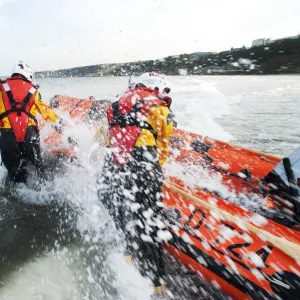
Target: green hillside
<point>280,57</point>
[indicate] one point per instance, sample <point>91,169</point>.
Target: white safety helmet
<point>24,70</point>
<point>152,80</point>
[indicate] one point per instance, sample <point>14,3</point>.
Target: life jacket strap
<point>130,119</point>
<point>18,107</point>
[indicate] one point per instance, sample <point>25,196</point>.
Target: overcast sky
<point>53,34</point>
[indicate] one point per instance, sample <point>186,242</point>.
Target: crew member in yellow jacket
<point>20,102</point>
<point>140,125</point>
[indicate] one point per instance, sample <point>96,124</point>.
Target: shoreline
<point>280,57</point>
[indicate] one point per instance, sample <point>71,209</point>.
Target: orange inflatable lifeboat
<point>89,111</point>
<point>248,254</point>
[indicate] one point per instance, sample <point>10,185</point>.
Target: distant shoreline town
<point>265,56</point>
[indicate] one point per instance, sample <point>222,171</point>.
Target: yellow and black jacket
<point>20,103</point>
<point>140,118</point>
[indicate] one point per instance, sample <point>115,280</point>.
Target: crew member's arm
<point>107,138</point>
<point>160,119</point>
<point>47,113</point>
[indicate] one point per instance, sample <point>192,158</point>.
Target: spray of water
<point>85,260</point>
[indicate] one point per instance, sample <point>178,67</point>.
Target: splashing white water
<point>197,103</point>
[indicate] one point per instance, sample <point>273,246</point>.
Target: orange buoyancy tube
<point>18,97</point>
<point>128,116</point>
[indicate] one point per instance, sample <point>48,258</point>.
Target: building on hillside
<point>261,42</point>
<point>264,41</point>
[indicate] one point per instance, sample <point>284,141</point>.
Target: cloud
<point>4,2</point>
<point>67,33</point>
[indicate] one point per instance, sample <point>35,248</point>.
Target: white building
<point>261,42</point>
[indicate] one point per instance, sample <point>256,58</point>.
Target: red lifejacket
<point>18,97</point>
<point>128,116</point>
